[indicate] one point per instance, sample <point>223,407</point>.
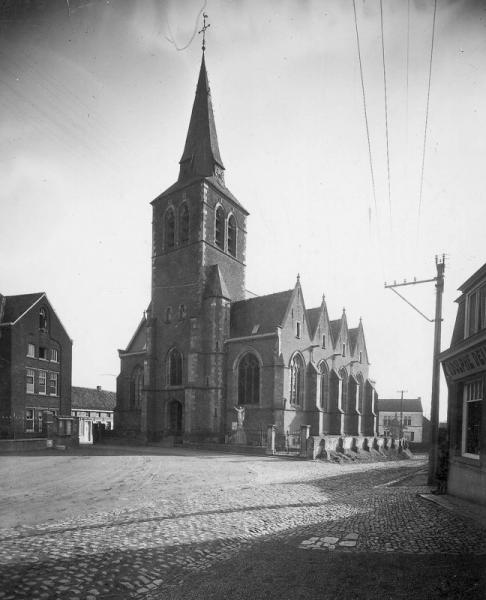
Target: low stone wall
<point>322,446</point>
<point>25,445</point>
<point>230,448</point>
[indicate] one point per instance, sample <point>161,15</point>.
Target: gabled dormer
<point>319,325</point>
<point>296,319</point>
<point>357,344</point>
<point>340,336</point>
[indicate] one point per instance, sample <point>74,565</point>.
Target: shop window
<point>249,380</point>
<point>471,418</point>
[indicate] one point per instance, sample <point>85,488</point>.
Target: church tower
<point>198,268</point>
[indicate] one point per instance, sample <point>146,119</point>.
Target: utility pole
<point>434,401</point>
<point>401,411</point>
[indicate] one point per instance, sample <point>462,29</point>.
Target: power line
<point>365,110</point>
<point>386,110</point>
<point>427,114</point>
<point>194,33</point>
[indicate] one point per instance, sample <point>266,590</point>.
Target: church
<point>204,351</point>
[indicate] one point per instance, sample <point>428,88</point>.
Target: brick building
<point>203,348</point>
<point>35,365</point>
<point>93,407</point>
<point>401,418</point>
<point>464,364</point>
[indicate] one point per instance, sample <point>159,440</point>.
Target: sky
<point>94,108</point>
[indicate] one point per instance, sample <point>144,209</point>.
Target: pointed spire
<point>201,153</point>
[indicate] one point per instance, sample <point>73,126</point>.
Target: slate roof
<point>215,284</point>
<point>92,399</point>
<point>15,306</point>
<point>313,315</point>
<point>201,150</point>
<point>395,405</point>
<point>353,337</point>
<point>335,328</point>
<point>266,311</point>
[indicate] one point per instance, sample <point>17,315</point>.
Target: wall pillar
<point>271,432</point>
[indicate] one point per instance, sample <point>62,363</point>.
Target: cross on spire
<point>203,31</point>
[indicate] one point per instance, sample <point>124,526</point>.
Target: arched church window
<point>324,387</point>
<point>297,380</point>
<point>43,319</point>
<point>360,393</point>
<point>184,224</point>
<point>249,380</point>
<point>174,367</point>
<point>344,389</point>
<point>169,229</point>
<point>136,387</point>
<point>219,228</point>
<point>232,235</point>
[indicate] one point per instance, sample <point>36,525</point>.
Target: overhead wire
<point>386,111</point>
<point>171,38</point>
<point>426,116</point>
<point>373,186</point>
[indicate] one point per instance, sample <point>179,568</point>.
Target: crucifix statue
<point>240,410</point>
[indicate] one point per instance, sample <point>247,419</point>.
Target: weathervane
<point>203,31</point>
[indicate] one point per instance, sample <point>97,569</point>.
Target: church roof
<point>397,405</point>
<point>201,151</point>
<point>313,315</point>
<point>335,329</point>
<point>16,306</point>
<point>353,337</point>
<point>264,312</point>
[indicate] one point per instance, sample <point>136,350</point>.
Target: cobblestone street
<point>148,548</point>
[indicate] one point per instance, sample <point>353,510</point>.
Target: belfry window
<point>297,380</point>
<point>232,235</point>
<point>249,380</point>
<point>184,224</point>
<point>219,228</point>
<point>174,367</point>
<point>169,229</point>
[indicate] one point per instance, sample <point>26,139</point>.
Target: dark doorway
<point>175,417</point>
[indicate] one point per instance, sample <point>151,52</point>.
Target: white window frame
<point>30,387</point>
<point>54,377</point>
<point>54,355</point>
<point>31,350</point>
<point>473,392</point>
<point>42,382</point>
<point>29,420</point>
